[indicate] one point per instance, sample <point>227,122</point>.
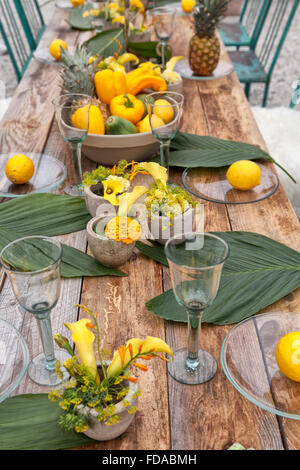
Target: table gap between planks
<point>171,415</point>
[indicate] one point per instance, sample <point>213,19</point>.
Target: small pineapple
<point>77,73</point>
<point>204,48</point>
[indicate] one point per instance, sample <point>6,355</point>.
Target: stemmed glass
<point>163,22</point>
<point>37,292</point>
<point>196,261</point>
<point>170,107</point>
<point>65,107</point>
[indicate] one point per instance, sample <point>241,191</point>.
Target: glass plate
<point>176,6</point>
<point>248,360</point>
<point>222,70</point>
<point>65,5</point>
<point>49,173</point>
<point>211,185</point>
<point>14,358</point>
<point>43,56</point>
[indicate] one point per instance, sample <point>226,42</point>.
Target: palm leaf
<point>76,20</point>
<point>30,422</point>
<point>193,151</point>
<point>258,272</point>
<point>106,43</point>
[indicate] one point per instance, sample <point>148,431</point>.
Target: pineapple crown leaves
<point>207,16</point>
<point>76,72</point>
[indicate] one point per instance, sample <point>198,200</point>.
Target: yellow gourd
<point>109,84</point>
<point>139,83</point>
<point>96,120</point>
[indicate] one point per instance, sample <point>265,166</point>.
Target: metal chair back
<point>21,27</point>
<point>253,16</point>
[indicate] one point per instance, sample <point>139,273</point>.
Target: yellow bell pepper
<point>127,107</point>
<point>139,83</point>
<point>109,84</point>
<point>143,69</point>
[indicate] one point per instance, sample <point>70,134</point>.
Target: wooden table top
<point>171,415</point>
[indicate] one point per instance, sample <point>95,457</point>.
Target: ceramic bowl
<point>110,149</point>
<point>162,228</point>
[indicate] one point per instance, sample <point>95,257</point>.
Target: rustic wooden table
<point>171,415</point>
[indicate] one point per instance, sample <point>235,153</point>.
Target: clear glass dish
<point>222,70</point>
<point>14,359</point>
<point>42,55</point>
<point>248,360</point>
<point>49,173</point>
<point>211,185</point>
<point>65,5</point>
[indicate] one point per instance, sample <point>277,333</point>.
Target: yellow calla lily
<point>121,20</point>
<point>134,348</point>
<point>128,57</point>
<point>157,171</point>
<point>112,188</point>
<point>126,200</point>
<point>84,339</point>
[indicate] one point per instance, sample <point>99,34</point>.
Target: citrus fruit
<point>287,355</point>
<point>77,3</point>
<point>243,175</point>
<point>55,46</point>
<point>163,110</point>
<point>19,169</point>
<point>144,125</point>
<point>188,5</point>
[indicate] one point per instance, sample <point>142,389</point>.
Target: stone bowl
<point>162,228</point>
<point>108,252</point>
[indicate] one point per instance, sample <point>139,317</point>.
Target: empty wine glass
<point>33,268</point>
<point>163,21</point>
<point>65,107</point>
<point>169,106</point>
<point>196,261</point>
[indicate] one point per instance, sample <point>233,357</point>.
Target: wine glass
<point>196,261</point>
<point>163,21</point>
<point>65,107</point>
<point>33,268</point>
<point>170,109</point>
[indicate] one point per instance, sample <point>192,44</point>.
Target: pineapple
<point>204,47</point>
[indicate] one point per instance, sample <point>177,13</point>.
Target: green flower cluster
<point>102,173</point>
<point>168,201</point>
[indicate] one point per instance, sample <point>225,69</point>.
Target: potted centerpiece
<point>112,237</point>
<point>170,210</point>
<point>100,398</point>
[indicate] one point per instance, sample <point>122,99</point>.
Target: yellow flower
<point>157,171</point>
<point>84,339</point>
<point>113,187</point>
<point>126,200</point>
<point>136,347</point>
<point>138,5</point>
<point>121,20</point>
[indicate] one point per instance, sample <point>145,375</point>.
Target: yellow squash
<point>109,84</point>
<point>127,107</point>
<point>96,120</point>
<point>139,83</point>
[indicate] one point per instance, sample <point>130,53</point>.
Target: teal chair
<point>21,27</point>
<point>256,64</point>
<point>296,96</point>
<point>248,28</point>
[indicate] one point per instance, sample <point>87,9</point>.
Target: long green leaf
<point>76,20</point>
<point>30,422</point>
<point>258,272</point>
<point>193,151</point>
<point>106,43</point>
<point>44,214</point>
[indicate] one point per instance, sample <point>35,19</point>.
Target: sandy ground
<point>287,70</point>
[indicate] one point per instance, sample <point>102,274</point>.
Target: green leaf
<point>51,215</point>
<point>44,214</point>
<point>147,49</point>
<point>106,43</point>
<point>154,252</point>
<point>193,151</point>
<point>258,272</point>
<point>76,20</point>
<point>30,422</point>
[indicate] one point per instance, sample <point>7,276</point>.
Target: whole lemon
<point>188,5</point>
<point>19,169</point>
<point>243,175</point>
<point>55,46</point>
<point>163,110</point>
<point>287,355</point>
<point>77,3</point>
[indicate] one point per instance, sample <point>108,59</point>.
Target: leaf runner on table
<point>258,272</point>
<point>195,151</point>
<point>51,215</point>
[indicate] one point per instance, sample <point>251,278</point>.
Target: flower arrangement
<point>99,388</point>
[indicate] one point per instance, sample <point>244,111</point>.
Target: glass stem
<point>45,330</point>
<point>163,57</point>
<point>76,151</point>
<point>194,330</point>
<point>165,154</point>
